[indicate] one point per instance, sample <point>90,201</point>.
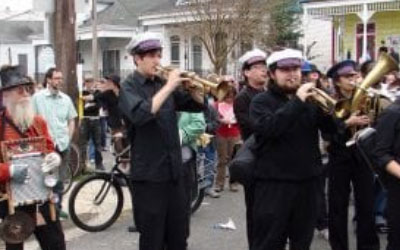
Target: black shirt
<point>286,131</point>
<point>156,149</point>
<point>388,136</point>
<point>109,101</point>
<point>241,107</point>
<point>90,108</point>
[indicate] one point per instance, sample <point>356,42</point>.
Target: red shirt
<point>38,129</point>
<point>227,130</point>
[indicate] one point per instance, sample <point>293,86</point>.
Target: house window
<point>175,50</point>
<point>111,62</point>
<point>197,55</point>
<point>370,40</point>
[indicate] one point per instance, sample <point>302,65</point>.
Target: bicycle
<point>97,200</point>
<point>67,175</point>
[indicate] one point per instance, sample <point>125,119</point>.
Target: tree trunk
<point>65,45</point>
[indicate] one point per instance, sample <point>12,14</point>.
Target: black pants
<point>342,173</point>
<point>90,129</point>
<point>322,221</point>
<point>284,210</point>
<point>189,179</point>
<point>249,199</point>
<point>393,214</point>
<point>161,214</point>
<point>49,236</point>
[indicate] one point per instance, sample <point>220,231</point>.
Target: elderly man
<point>149,104</point>
<point>18,121</point>
<point>288,158</point>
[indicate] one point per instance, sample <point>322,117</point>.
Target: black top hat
<point>12,76</point>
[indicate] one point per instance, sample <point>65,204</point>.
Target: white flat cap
<point>144,42</point>
<point>285,58</point>
<point>252,56</point>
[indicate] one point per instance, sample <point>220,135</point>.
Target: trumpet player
<point>347,169</point>
<point>149,104</point>
<point>287,169</point>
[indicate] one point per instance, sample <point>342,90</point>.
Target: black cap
<point>12,76</point>
<point>114,78</point>
<point>342,68</point>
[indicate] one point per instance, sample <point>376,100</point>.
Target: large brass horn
<point>384,65</point>
<point>219,90</point>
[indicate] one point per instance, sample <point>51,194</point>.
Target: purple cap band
<point>289,62</point>
<point>147,46</point>
<point>255,59</point>
<point>347,70</point>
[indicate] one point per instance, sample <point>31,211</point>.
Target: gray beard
<point>22,114</point>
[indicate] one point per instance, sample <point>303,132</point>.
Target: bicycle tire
<point>106,184</point>
<point>197,201</point>
<point>74,159</point>
<point>67,180</point>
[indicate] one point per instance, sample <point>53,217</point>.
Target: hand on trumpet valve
<point>305,91</point>
<point>357,120</point>
<point>175,79</point>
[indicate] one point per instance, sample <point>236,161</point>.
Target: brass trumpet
<point>218,90</point>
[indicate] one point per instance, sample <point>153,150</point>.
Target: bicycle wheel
<point>66,178</point>
<point>96,203</point>
<point>74,159</point>
<point>197,193</point>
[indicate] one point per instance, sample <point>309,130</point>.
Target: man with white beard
<point>18,121</point>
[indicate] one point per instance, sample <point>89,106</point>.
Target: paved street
<point>203,235</point>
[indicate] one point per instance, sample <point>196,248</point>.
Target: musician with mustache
<point>17,121</point>
<point>288,162</point>
<point>149,104</point>
<point>346,169</point>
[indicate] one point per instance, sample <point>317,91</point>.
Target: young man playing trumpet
<point>345,168</point>
<point>288,162</point>
<point>149,104</point>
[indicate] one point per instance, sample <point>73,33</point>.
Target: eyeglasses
<point>25,88</point>
<point>57,78</point>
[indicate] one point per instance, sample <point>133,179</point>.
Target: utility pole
<point>65,44</point>
<point>95,68</point>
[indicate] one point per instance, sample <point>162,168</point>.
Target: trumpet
<point>217,89</point>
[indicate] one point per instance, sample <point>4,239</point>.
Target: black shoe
<point>132,229</point>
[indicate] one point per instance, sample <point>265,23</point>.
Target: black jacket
<point>388,136</point>
<point>241,107</point>
<point>155,146</point>
<point>109,101</point>
<point>286,132</point>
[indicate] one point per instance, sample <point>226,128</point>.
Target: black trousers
<point>342,173</point>
<point>322,221</point>
<point>161,214</point>
<point>393,214</point>
<point>90,129</point>
<point>284,210</point>
<point>249,200</point>
<point>49,236</point>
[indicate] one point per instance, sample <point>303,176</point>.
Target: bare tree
<point>221,25</point>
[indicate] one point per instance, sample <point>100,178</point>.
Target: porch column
<point>365,16</point>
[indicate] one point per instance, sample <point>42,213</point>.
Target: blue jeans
<point>210,163</point>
